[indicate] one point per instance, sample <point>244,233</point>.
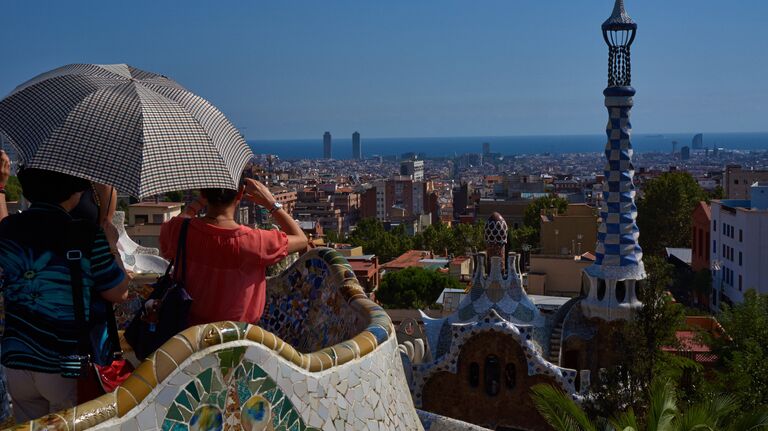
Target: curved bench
<point>344,370</point>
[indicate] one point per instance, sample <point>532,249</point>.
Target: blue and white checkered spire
<point>618,253</point>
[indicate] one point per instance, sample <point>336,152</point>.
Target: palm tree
<point>563,414</point>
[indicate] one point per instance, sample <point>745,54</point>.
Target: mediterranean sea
<point>505,145</point>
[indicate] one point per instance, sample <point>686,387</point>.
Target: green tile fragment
<point>229,358</point>
<point>205,378</point>
<point>293,417</point>
<point>267,386</point>
<point>222,399</point>
<point>255,386</point>
<point>192,389</point>
<point>183,399</point>
<point>257,372</point>
<point>174,413</point>
<point>186,414</point>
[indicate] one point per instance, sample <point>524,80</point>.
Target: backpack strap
<point>79,238</point>
<point>78,242</point>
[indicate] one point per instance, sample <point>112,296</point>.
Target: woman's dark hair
<point>219,196</point>
<point>39,185</point>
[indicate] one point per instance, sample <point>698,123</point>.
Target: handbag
<point>165,312</point>
<point>97,359</point>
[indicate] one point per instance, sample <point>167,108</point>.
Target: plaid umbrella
<point>114,124</point>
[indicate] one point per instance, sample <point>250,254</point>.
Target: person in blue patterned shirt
<point>40,326</point>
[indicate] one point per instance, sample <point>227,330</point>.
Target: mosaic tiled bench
<point>324,357</point>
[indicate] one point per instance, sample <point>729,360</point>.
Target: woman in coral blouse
<point>226,261</point>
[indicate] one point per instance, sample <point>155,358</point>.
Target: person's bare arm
<point>108,202</point>
<point>118,293</point>
<point>259,193</point>
<point>5,173</point>
<point>191,209</point>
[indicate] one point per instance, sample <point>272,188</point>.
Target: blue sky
<point>293,69</point>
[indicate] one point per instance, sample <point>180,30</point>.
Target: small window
<point>509,376</point>
<point>714,246</point>
<point>157,219</point>
<point>725,231</point>
<point>492,375</point>
<point>600,289</point>
<point>714,225</point>
<point>621,291</point>
<point>739,282</point>
<point>739,258</point>
<point>474,374</point>
<point>736,181</point>
<point>741,235</point>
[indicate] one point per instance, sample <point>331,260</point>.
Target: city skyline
<point>293,71</point>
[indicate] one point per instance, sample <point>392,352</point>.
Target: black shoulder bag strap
<point>181,253</point>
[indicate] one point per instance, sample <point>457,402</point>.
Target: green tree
<point>744,353</point>
<point>664,211</point>
<point>334,236</point>
<point>523,235</point>
<point>371,235</point>
<point>438,238</point>
<point>468,238</point>
<point>413,288</point>
<point>174,196</point>
<point>665,414</point>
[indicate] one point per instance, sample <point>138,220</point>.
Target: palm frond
<point>723,406</point>
<point>663,407</point>
<point>753,421</point>
<point>559,410</point>
<point>626,421</point>
<point>699,417</point>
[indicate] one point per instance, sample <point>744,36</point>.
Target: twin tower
<point>357,154</point>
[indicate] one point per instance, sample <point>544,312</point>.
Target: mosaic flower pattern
<point>235,395</point>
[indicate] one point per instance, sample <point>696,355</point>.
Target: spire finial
<point>619,19</point>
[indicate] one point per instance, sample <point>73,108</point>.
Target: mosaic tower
<point>618,265</point>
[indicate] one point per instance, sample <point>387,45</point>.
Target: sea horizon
<point>312,148</point>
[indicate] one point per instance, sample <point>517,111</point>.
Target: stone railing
<point>341,368</point>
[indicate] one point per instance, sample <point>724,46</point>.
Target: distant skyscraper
<point>327,145</point>
<point>356,153</point>
<point>413,169</point>
<point>486,148</point>
<point>698,142</point>
<point>685,153</point>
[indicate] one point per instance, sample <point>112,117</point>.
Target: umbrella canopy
<point>114,124</point>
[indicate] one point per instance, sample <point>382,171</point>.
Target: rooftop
<point>408,259</point>
<point>681,254</point>
<point>157,205</point>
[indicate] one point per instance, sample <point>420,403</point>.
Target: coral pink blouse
<point>225,268</point>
